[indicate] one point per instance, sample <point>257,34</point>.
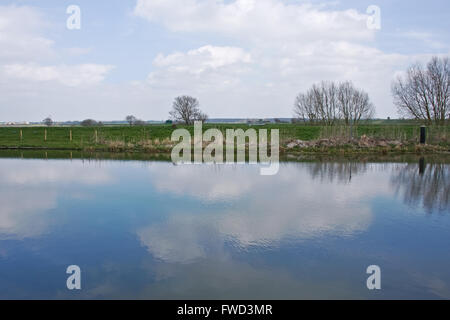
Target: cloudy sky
<point>240,58</point>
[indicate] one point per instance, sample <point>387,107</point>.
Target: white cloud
<point>256,19</point>
<point>290,46</point>
<point>32,173</point>
<point>201,59</point>
<point>84,74</point>
<point>21,34</point>
<point>27,54</point>
<point>208,66</point>
<point>21,219</point>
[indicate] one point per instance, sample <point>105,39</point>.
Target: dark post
<point>423,134</point>
<point>422,166</point>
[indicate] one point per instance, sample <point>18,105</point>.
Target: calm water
<point>151,230</point>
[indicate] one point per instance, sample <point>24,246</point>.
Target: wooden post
<point>423,135</point>
<point>21,135</point>
<point>45,134</point>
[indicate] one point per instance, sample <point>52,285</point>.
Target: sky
<point>239,58</point>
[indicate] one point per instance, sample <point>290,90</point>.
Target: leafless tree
<point>354,104</point>
<point>130,119</point>
<point>325,97</point>
<point>424,93</point>
<point>202,117</point>
<point>328,102</point>
<point>186,109</point>
<point>305,107</point>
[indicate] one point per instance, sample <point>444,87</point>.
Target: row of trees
<point>423,94</point>
<point>85,123</point>
<point>330,102</point>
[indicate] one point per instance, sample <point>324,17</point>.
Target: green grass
<point>84,138</point>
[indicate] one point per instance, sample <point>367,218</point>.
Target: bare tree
<point>329,102</point>
<point>130,119</point>
<point>203,117</point>
<point>305,108</point>
<point>424,94</point>
<point>48,121</point>
<point>354,104</point>
<point>186,109</point>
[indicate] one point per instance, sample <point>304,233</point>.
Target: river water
<point>153,230</point>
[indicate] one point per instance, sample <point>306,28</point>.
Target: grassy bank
<point>295,138</point>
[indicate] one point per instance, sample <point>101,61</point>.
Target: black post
<point>423,134</point>
<point>422,166</point>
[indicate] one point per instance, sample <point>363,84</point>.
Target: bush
<point>89,123</point>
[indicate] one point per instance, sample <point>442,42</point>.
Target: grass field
<point>157,137</point>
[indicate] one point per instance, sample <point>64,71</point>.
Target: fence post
<point>45,134</point>
<point>21,135</point>
<point>423,134</point>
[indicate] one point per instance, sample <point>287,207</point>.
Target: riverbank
<point>377,139</point>
<point>165,157</point>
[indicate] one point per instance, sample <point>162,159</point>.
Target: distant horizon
<point>227,119</point>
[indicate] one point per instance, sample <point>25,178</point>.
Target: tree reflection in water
<point>424,183</point>
<point>418,183</point>
<point>341,172</point>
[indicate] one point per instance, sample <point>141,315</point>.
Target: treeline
<point>328,103</point>
<point>422,93</point>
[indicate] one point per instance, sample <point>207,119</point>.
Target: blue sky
<point>240,58</point>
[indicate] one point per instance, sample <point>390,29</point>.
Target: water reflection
<point>426,184</point>
<point>29,192</point>
<point>144,229</point>
<point>337,171</point>
<point>258,211</point>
